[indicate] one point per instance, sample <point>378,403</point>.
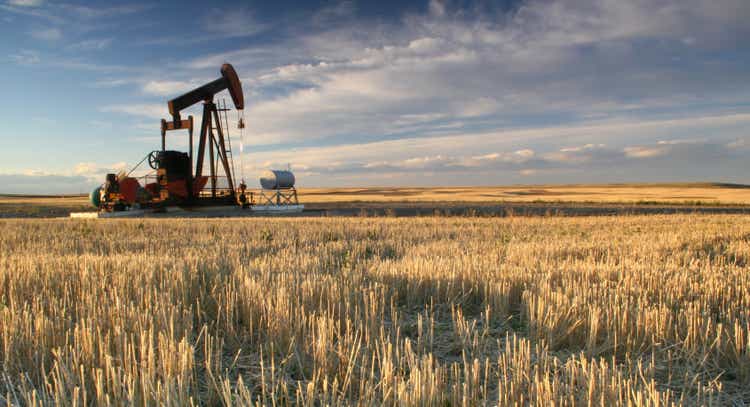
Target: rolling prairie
<point>626,310</point>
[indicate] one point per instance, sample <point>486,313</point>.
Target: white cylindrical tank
<point>277,179</point>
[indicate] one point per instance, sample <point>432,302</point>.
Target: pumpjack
<point>176,183</point>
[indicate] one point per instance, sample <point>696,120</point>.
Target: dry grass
<point>419,311</point>
<point>617,193</point>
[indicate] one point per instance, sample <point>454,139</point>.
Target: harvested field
<point>641,194</point>
<point>41,206</point>
<point>435,311</point>
<point>559,200</point>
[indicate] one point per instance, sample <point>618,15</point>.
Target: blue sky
<point>386,93</point>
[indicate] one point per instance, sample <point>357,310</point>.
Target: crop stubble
<point>421,311</point>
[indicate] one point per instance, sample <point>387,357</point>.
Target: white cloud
<point>682,141</point>
<point>740,143</point>
<point>334,13</point>
<point>110,83</point>
<point>41,183</point>
<point>412,119</point>
<point>582,148</point>
<point>437,8</point>
<point>85,168</point>
<point>480,107</point>
<point>47,121</point>
<point>163,88</point>
<point>525,153</point>
<point>247,57</point>
<point>580,154</point>
<point>432,91</point>
<point>97,12</point>
<point>422,162</point>
<point>25,57</point>
<point>506,154</point>
<point>154,111</point>
<point>96,171</point>
<point>101,124</point>
<point>240,22</point>
<point>449,64</point>
<point>644,152</point>
<point>25,3</point>
<point>46,34</point>
<point>458,75</point>
<point>93,44</point>
<point>81,178</point>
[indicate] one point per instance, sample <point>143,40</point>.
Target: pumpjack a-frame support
<point>211,135</point>
<point>216,148</point>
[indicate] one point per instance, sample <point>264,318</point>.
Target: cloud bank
<point>541,91</point>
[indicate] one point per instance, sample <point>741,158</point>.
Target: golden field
<point>42,206</point>
<point>626,310</point>
<point>687,193</point>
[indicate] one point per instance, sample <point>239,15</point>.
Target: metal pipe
<point>163,135</point>
<point>190,136</point>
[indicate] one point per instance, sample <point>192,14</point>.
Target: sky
<point>386,93</point>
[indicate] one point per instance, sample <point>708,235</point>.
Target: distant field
<point>702,194</point>
<point>41,205</point>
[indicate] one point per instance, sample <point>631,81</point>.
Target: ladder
<point>224,123</point>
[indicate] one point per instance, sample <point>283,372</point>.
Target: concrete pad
<point>100,215</point>
<point>277,208</point>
